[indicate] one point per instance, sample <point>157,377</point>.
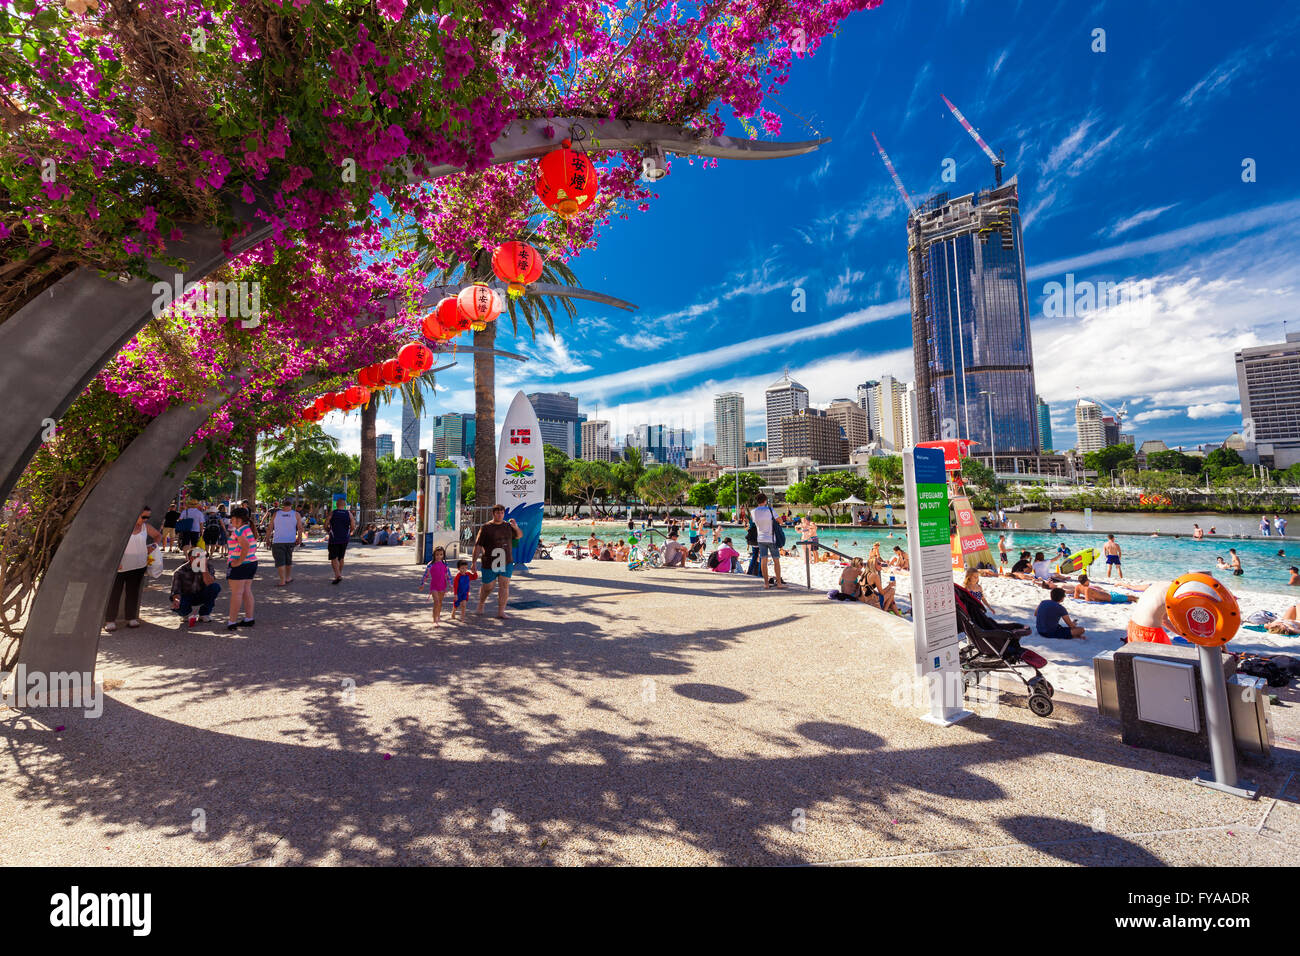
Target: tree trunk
<point>485,418</point>
<point>248,473</point>
<point>368,492</point>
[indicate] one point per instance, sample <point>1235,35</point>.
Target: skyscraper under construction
<point>970,322</point>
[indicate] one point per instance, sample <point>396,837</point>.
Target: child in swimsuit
<point>461,587</point>
<point>439,576</point>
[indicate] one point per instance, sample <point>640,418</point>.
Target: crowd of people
<point>205,534</point>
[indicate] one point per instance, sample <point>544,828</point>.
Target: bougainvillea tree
<point>127,121</point>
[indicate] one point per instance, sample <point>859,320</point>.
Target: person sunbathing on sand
<point>1086,591</point>
<point>1288,623</point>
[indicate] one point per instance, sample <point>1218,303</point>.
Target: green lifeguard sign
<point>934,608</point>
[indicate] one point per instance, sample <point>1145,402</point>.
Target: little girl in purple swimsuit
<point>438,576</point>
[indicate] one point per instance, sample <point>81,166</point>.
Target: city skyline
<point>1177,111</point>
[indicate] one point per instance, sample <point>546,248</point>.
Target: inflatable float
<point>1079,561</point>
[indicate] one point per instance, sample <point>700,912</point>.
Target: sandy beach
<point>1070,662</point>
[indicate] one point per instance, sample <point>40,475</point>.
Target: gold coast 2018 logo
<point>520,476</point>
<point>519,467</point>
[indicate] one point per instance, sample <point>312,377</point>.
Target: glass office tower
<point>970,322</point>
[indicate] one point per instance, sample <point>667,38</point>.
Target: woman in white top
<point>130,573</point>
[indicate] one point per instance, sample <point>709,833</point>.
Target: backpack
<point>713,561</point>
<point>778,533</point>
<point>214,525</point>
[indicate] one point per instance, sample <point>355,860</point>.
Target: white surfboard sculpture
<point>521,475</point>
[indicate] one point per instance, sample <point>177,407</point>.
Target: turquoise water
<point>1144,558</point>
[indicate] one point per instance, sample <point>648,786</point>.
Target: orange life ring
<point>1202,609</point>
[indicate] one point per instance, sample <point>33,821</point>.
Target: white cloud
<point>1282,212</point>
<point>1137,219</point>
<point>686,366</point>
<point>1066,148</point>
<point>692,407</point>
<point>839,293</point>
<point>1154,415</point>
<point>1213,410</point>
<point>641,341</point>
<point>1217,80</point>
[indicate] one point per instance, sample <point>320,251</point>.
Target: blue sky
<point>1130,169</point>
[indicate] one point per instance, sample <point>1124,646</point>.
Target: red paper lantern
<point>321,405</point>
<point>356,395</point>
<point>517,263</point>
<point>390,373</point>
<point>566,181</point>
<point>366,377</point>
<point>415,358</point>
<point>478,305</point>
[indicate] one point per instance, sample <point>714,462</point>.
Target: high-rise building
<point>410,431</point>
<point>729,429</point>
<point>1092,434</point>
<point>660,445</point>
<point>867,402</point>
<point>1268,377</point>
<point>890,395</point>
<point>453,435</point>
<point>1109,430</point>
<point>559,421</point>
<point>852,421</point>
<point>811,433</point>
<point>1044,427</point>
<point>783,397</point>
<point>597,444</point>
<point>384,446</point>
<point>970,321</point>
<point>705,452</point>
<point>755,451</point>
<point>910,427</point>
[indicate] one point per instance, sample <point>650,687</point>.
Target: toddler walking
<point>438,576</point>
<point>461,586</point>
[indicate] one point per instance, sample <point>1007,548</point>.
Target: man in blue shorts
<point>1052,620</point>
<point>494,549</point>
<point>1111,550</point>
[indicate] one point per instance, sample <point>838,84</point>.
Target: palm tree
<point>533,309</point>
<point>295,444</point>
<point>367,494</point>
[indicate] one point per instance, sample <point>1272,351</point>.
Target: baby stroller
<point>696,554</point>
<point>997,648</point>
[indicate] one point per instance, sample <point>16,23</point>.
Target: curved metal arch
<point>530,139</point>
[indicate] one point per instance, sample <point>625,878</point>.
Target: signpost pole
<point>934,612</point>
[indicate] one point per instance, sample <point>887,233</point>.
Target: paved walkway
<point>622,717</point>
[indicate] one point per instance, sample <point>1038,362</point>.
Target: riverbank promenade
<point>618,717</point>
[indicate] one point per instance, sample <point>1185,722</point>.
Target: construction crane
<point>1119,413</point>
<point>998,161</point>
<point>911,206</point>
